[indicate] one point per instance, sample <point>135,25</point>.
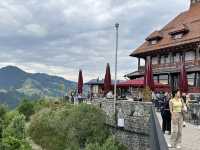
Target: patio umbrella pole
<point>115,87</point>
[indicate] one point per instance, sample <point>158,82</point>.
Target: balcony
<point>170,66</point>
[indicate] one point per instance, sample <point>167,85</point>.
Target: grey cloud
<point>61,36</point>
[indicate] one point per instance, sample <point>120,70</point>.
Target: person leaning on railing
<point>176,109</point>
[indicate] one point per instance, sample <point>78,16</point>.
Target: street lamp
<point>115,87</point>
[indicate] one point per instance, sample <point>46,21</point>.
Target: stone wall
<point>135,134</point>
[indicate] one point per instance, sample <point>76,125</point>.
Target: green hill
<point>16,84</point>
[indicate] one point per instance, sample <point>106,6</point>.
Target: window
<point>191,79</point>
<point>155,78</point>
<point>142,62</point>
<point>164,79</point>
<point>198,79</point>
<point>154,60</point>
<point>164,59</point>
<point>153,42</point>
<point>167,59</point>
<point>189,55</point>
<point>176,57</point>
<point>178,36</point>
<point>95,89</point>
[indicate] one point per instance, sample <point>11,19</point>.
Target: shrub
<point>1,129</point>
<point>68,127</point>
<point>9,117</point>
<point>14,134</point>
<point>147,94</point>
<point>26,107</point>
<point>40,104</point>
<point>3,110</point>
<point>110,144</point>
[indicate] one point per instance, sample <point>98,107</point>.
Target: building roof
<point>187,22</point>
<point>99,82</point>
<point>95,82</point>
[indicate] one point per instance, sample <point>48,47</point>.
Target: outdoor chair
<point>194,115</point>
<point>198,117</point>
<point>189,118</point>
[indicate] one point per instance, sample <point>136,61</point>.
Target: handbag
<point>184,109</point>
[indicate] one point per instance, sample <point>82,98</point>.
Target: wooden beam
<point>138,63</point>
<point>197,52</point>
<point>171,57</point>
<point>158,59</point>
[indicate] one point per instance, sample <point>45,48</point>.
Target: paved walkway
<point>191,136</point>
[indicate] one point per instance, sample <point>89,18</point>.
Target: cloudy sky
<point>60,36</point>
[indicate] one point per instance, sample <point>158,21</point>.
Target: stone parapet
<point>135,134</point>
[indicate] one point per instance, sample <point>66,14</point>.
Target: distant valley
<point>16,84</point>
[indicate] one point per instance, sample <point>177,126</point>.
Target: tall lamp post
<point>116,51</point>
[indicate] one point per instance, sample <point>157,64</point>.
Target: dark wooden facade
<point>178,40</point>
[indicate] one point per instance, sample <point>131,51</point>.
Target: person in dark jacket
<point>166,115</point>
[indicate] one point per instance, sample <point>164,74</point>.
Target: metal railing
<point>157,139</point>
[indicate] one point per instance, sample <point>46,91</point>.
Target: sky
<point>59,37</point>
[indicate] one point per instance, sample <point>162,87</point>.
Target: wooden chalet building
<point>96,87</point>
<point>180,39</point>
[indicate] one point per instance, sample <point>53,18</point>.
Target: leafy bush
<point>147,94</point>
<point>40,104</point>
<point>26,108</point>
<point>3,110</point>
<point>9,117</point>
<point>68,127</point>
<point>1,129</point>
<point>110,144</point>
<point>14,134</point>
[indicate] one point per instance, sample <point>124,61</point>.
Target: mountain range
<point>16,84</point>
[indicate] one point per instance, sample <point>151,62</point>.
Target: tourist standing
<point>72,97</point>
<point>166,114</point>
<point>176,108</point>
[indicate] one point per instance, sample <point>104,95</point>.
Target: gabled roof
<point>186,21</point>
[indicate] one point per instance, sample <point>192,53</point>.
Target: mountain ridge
<point>16,84</point>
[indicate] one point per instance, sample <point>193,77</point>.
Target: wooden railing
<point>176,65</point>
<point>188,63</point>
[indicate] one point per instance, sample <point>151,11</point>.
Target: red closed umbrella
<point>107,80</point>
<point>80,82</point>
<point>148,78</point>
<point>183,83</point>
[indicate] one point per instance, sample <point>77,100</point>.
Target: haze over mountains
<point>16,84</point>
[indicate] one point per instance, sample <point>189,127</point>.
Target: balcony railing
<point>175,65</point>
<point>188,63</point>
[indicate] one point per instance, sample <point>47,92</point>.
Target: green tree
<point>68,127</point>
<point>26,108</point>
<point>14,135</point>
<point>3,111</point>
<point>110,144</point>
